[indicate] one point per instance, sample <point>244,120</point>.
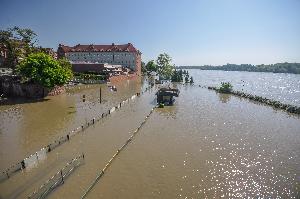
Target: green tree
<point>143,67</point>
<point>151,66</point>
<point>191,80</point>
<point>65,63</point>
<point>164,67</point>
<point>186,79</point>
<point>18,43</point>
<point>177,76</point>
<point>42,69</point>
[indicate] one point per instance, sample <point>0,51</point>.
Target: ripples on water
<point>207,145</point>
<point>224,149</point>
<point>277,86</point>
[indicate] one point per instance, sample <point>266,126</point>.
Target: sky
<point>192,32</point>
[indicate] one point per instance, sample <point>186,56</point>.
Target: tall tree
<point>18,43</point>
<point>151,66</point>
<point>164,66</point>
<point>143,67</point>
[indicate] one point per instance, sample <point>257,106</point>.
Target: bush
<point>42,69</point>
<point>226,87</point>
<point>90,76</point>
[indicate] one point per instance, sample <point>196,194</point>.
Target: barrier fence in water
<point>57,179</point>
<point>99,175</point>
<point>33,159</point>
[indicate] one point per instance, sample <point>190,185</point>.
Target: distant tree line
<point>273,68</point>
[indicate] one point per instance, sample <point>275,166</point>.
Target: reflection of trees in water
<point>224,98</point>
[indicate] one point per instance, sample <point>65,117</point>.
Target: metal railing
<point>57,179</point>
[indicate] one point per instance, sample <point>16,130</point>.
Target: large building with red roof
<point>126,55</point>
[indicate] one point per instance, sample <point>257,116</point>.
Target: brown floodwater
<point>26,127</point>
<point>207,145</point>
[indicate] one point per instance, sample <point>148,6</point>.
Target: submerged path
<point>102,172</point>
<point>101,138</point>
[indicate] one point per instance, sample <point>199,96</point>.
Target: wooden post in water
<point>100,96</point>
<point>62,177</point>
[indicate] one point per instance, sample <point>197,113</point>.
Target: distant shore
<point>293,68</point>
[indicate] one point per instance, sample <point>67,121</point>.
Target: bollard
<point>23,164</point>
<point>62,177</point>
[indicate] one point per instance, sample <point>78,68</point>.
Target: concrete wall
<point>11,87</point>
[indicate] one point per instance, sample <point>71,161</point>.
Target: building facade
<point>125,55</point>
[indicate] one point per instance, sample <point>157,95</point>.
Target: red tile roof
<point>100,48</point>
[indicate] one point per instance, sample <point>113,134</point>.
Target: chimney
<point>113,44</point>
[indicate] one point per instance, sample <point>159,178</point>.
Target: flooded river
<point>283,87</point>
<point>207,145</point>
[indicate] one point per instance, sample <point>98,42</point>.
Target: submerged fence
<point>57,179</point>
<point>33,159</point>
<point>99,175</point>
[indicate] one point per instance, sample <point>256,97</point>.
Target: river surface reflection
<point>207,145</point>
<point>283,87</point>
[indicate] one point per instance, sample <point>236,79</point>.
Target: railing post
<point>62,177</point>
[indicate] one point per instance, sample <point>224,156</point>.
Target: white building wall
<point>126,59</point>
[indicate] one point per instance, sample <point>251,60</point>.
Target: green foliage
<point>44,70</point>
<point>161,105</point>
<point>90,76</point>
<point>164,67</point>
<point>151,66</point>
<point>18,43</point>
<point>177,76</point>
<point>275,68</point>
<point>143,68</point>
<point>67,66</point>
<point>191,80</point>
<point>186,79</point>
<point>225,87</point>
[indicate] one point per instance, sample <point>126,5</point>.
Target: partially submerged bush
<point>226,87</point>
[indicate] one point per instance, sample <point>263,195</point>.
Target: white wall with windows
<point>127,59</point>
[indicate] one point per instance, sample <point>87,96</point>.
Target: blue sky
<point>193,32</point>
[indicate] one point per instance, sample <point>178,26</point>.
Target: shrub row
<point>273,103</point>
